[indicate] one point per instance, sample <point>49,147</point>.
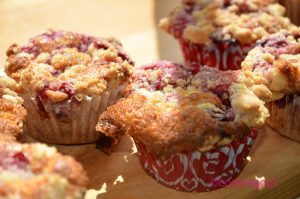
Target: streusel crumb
<point>244,21</point>
<point>66,64</point>
<point>12,113</point>
<point>37,171</point>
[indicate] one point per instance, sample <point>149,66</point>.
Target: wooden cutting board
<point>120,175</point>
<point>134,22</point>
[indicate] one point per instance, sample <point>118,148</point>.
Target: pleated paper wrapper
<point>285,116</point>
<point>198,171</point>
<point>70,122</point>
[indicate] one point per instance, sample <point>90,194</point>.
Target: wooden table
<point>134,22</point>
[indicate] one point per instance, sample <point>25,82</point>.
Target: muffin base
<point>198,171</point>
<point>284,116</point>
<point>70,122</point>
<point>218,55</point>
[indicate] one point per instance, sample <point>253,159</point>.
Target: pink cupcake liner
<point>70,122</point>
<point>221,56</point>
<point>284,116</point>
<point>198,171</point>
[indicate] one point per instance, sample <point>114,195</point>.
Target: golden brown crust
<point>45,172</point>
<point>7,138</point>
<point>11,118</point>
<point>291,72</point>
<point>12,114</point>
<point>113,123</point>
<point>210,109</point>
<point>167,128</point>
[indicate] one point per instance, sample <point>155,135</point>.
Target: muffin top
<point>59,64</point>
<point>200,114</point>
<point>243,21</point>
<point>272,68</point>
<point>156,76</point>
<point>12,113</point>
<point>37,171</point>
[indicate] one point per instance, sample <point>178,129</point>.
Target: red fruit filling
<point>17,160</point>
<point>20,157</point>
<point>64,87</point>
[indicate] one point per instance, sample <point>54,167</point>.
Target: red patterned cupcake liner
<point>198,171</point>
<point>219,55</point>
<point>284,116</point>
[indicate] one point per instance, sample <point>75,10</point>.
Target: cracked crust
<point>38,171</point>
<point>210,109</point>
<point>170,127</point>
<point>272,69</point>
<point>201,21</point>
<point>12,114</point>
<point>89,65</point>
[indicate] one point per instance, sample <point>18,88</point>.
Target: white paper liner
<point>285,116</point>
<point>71,122</point>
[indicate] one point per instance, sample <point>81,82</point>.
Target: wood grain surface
<point>134,22</point>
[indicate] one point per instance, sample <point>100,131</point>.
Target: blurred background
<point>133,22</point>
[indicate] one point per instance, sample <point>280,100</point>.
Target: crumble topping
<point>172,122</point>
<point>35,170</point>
<point>245,21</point>
<point>158,75</point>
<point>272,68</point>
<point>61,64</point>
<point>12,114</point>
<point>201,114</point>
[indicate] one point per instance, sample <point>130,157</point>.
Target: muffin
<point>152,77</point>
<point>219,33</point>
<point>192,134</point>
<point>37,171</point>
<point>272,71</point>
<point>12,114</point>
<point>67,80</point>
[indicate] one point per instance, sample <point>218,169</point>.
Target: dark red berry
<point>159,86</point>
<point>56,73</point>
<point>20,157</point>
<point>42,94</point>
<point>150,67</point>
<point>100,45</point>
<point>66,88</point>
<point>124,57</point>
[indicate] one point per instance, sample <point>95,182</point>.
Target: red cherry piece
<point>20,157</point>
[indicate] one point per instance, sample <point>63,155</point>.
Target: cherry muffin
<point>67,80</point>
<point>12,113</point>
<point>37,171</point>
<point>219,33</point>
<point>152,77</point>
<point>192,134</point>
<point>272,70</point>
